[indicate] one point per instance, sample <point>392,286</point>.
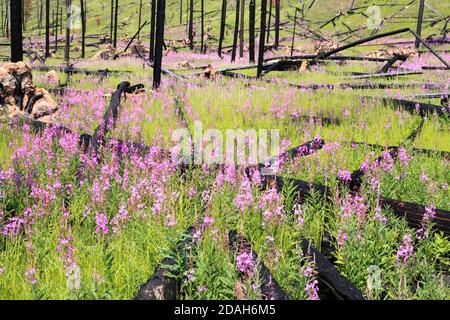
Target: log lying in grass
<point>109,118</point>
<point>414,106</point>
<point>412,212</point>
<point>322,120</point>
<point>162,286</point>
<point>335,58</point>
<point>357,175</point>
<point>270,288</point>
<point>332,285</point>
<point>436,95</point>
<point>440,153</point>
<point>72,70</point>
<point>384,75</point>
<point>354,86</point>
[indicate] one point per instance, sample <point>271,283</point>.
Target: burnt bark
<point>222,26</point>
<point>191,24</point>
<point>16,31</point>
<point>68,17</point>
<point>236,31</point>
<point>251,31</point>
<point>116,16</point>
<point>47,28</point>
<point>277,24</point>
<point>262,37</point>
<point>241,30</point>
<point>83,28</point>
<point>152,31</point>
<point>161,15</point>
<point>419,22</point>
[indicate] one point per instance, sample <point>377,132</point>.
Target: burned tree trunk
<point>83,28</point>
<point>202,47</point>
<point>116,16</point>
<point>419,22</point>
<point>152,31</point>
<point>16,31</point>
<point>262,37</point>
<point>47,28</point>
<point>222,26</point>
<point>277,23</point>
<point>161,14</point>
<point>293,33</point>
<point>236,31</point>
<point>269,19</point>
<point>68,17</point>
<point>251,31</point>
<point>191,24</point>
<point>241,31</point>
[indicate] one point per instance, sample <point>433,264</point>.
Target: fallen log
<point>270,289</point>
<point>109,118</point>
<point>383,75</point>
<point>162,286</point>
<point>412,212</point>
<point>332,285</point>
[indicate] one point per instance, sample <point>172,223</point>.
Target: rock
<point>324,47</point>
<point>304,66</point>
<point>43,106</point>
<point>19,96</point>
<point>210,72</point>
<point>52,77</point>
<point>105,54</point>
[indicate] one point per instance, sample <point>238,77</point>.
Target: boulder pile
<point>19,97</point>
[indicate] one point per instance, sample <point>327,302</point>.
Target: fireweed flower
<point>30,275</point>
<point>430,213</point>
<point>245,263</point>
<point>403,157</point>
<point>120,219</point>
<point>424,177</point>
<point>311,288</point>
<point>101,222</point>
<point>405,250</point>
<point>207,221</point>
<point>387,163</point>
<point>344,175</point>
<point>298,212</point>
<point>244,199</point>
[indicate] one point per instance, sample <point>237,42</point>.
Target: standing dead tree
<point>269,20</point>
<point>251,31</point>
<point>68,18</point>
<point>262,38</point>
<point>16,31</point>
<point>83,28</point>
<point>116,15</point>
<point>47,28</point>
<point>161,16</point>
<point>111,22</point>
<point>222,26</point>
<point>236,31</point>
<point>419,22</point>
<point>152,31</point>
<point>202,47</point>
<point>277,23</point>
<point>241,30</point>
<point>191,25</point>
